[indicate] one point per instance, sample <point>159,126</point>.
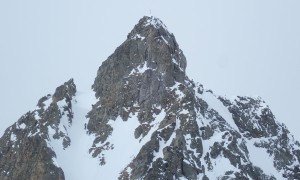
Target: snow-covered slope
<point>145,119</point>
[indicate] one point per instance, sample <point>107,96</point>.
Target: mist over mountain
<point>145,119</point>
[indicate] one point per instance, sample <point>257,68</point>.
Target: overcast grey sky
<point>233,47</point>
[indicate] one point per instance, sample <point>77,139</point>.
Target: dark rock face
<point>25,152</point>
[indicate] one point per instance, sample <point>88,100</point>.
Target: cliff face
<point>150,121</point>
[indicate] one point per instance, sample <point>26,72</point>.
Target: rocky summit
<point>148,120</point>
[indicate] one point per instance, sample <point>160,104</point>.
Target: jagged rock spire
<point>150,46</point>
<point>136,78</point>
<point>138,72</point>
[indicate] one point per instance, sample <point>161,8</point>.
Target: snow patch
<point>36,115</point>
<point>220,166</point>
<point>47,103</point>
<point>163,144</point>
<point>126,147</point>
<point>75,160</point>
<point>164,40</point>
<point>184,111</point>
<point>30,133</point>
<point>13,137</point>
<point>21,126</point>
<point>214,103</point>
<point>175,62</point>
<point>141,69</point>
<point>157,23</point>
<point>55,161</point>
<point>154,125</point>
<point>177,91</point>
<point>260,158</point>
<point>138,36</point>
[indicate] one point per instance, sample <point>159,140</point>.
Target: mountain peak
<point>149,49</point>
<point>150,121</point>
<point>152,21</point>
<point>150,28</point>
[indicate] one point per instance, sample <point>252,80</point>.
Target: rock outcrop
<point>25,147</point>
